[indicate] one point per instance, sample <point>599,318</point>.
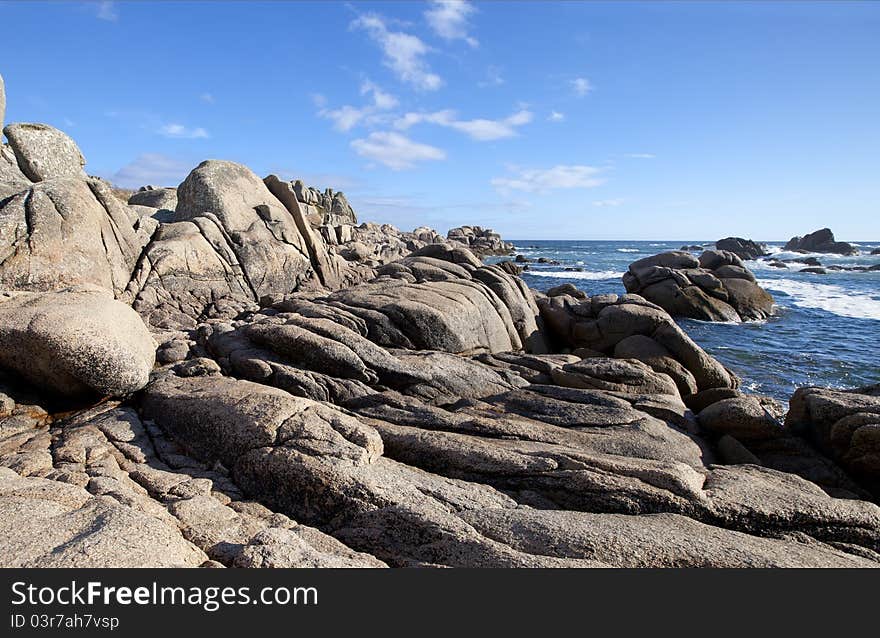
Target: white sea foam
<point>574,274</point>
<point>828,297</point>
<point>765,265</point>
<point>628,250</point>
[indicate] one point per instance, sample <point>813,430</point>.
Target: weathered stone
<point>162,198</point>
<point>45,523</point>
<point>264,236</point>
<point>742,248</point>
<point>716,288</point>
<point>740,417</point>
<point>66,232</point>
<point>820,241</point>
<point>44,152</point>
<point>76,342</point>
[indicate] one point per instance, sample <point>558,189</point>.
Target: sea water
<point>825,329</point>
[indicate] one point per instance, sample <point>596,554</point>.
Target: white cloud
<point>539,180</point>
<point>581,86</point>
<point>556,116</point>
<point>381,100</point>
<point>207,98</point>
<point>347,117</point>
<point>608,202</point>
<point>151,168</point>
<point>479,129</point>
<point>107,11</point>
<point>403,53</point>
<point>179,131</point>
<point>344,118</point>
<point>319,100</point>
<point>449,20</point>
<point>395,151</point>
<point>640,155</point>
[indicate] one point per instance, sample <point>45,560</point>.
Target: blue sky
<point>543,120</point>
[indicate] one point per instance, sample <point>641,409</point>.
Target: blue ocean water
<point>825,330</point>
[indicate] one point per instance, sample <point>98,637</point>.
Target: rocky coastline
<point>235,372</point>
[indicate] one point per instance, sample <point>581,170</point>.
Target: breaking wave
<point>829,297</point>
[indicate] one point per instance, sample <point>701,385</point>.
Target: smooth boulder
<point>79,342</point>
<point>43,152</point>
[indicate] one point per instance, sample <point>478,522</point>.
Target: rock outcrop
<point>742,248</point>
<point>631,327</point>
<point>328,208</point>
<point>820,241</point>
<point>326,394</point>
<point>68,232</point>
<point>481,241</point>
<point>844,425</point>
<point>715,287</point>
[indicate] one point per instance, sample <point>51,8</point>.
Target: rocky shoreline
<point>236,373</point>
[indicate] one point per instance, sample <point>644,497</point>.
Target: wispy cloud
<point>403,53</point>
<point>381,99</point>
<point>539,180</point>
<point>151,168</point>
<point>581,86</point>
<point>449,20</point>
<point>493,77</point>
<point>395,151</point>
<point>207,98</point>
<point>179,131</point>
<point>479,129</point>
<point>603,203</point>
<point>640,155</point>
<point>556,116</point>
<point>347,117</point>
<point>107,11</point>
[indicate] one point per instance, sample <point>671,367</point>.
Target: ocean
<point>825,330</point>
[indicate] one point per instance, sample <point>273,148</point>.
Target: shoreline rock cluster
<point>820,241</point>
<point>715,287</point>
<point>203,377</point>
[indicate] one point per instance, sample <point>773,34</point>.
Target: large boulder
<point>43,152</point>
<point>261,231</point>
<point>715,287</point>
<point>79,342</point>
<point>820,241</point>
<point>607,324</point>
<point>66,232</point>
<point>162,198</point>
<point>742,248</point>
<point>844,425</point>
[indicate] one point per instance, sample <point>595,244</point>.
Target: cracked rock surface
<point>233,373</point>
